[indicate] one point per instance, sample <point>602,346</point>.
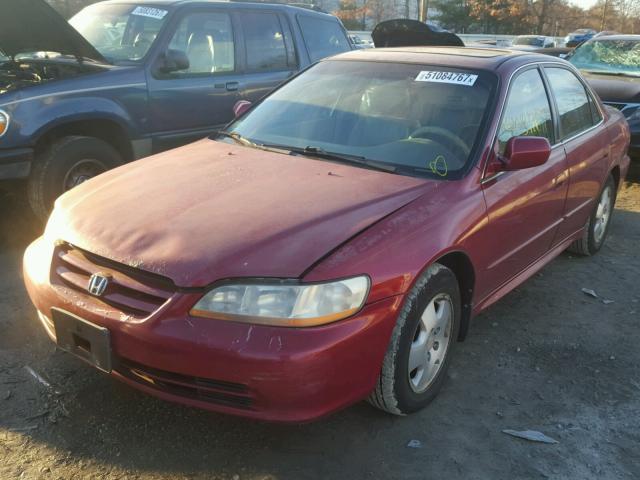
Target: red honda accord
<point>334,242</point>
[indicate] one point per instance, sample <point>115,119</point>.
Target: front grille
<point>130,291</point>
<point>217,392</point>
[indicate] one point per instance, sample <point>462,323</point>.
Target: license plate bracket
<point>83,339</point>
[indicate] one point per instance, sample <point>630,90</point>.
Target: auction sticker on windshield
<point>455,78</point>
<point>150,12</point>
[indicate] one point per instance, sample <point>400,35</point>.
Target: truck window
<point>323,37</point>
<point>207,39</point>
<point>264,41</point>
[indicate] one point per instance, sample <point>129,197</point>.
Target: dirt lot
<point>547,357</point>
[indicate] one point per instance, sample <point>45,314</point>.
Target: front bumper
<point>269,373</point>
<point>15,163</point>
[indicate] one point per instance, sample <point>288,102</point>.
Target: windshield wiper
<point>236,137</point>
<point>343,157</point>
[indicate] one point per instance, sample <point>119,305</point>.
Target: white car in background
<point>532,42</point>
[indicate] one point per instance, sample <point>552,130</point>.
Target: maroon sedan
<point>335,241</point>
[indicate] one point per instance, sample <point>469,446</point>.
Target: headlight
<point>285,305</point>
<point>4,122</point>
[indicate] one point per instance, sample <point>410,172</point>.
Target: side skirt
<point>523,276</point>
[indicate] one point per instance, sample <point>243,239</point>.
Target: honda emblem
<point>98,284</point>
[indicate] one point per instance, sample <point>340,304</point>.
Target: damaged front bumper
<point>263,372</point>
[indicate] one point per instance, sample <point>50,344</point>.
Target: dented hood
<point>33,26</point>
<point>211,210</point>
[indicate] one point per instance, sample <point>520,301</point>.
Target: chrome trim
<point>495,176</point>
<point>8,118</point>
<point>70,92</point>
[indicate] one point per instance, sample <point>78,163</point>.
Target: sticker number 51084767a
<point>456,78</point>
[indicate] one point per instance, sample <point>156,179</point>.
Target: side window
<point>207,39</point>
<point>527,112</point>
<point>323,38</point>
<point>264,41</point>
<point>573,103</point>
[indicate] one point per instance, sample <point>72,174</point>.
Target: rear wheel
<point>415,365</point>
<point>597,227</point>
<point>65,164</point>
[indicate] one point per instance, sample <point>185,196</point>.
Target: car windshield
<point>609,56</point>
<point>121,33</point>
<point>419,120</point>
<point>532,41</point>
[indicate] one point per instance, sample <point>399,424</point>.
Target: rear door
<point>526,206</point>
<point>268,54</point>
<point>192,103</point>
<point>586,145</point>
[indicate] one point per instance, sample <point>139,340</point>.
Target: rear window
<point>322,37</point>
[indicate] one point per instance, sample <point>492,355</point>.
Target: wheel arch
<point>104,129</point>
<point>462,267</point>
<point>615,172</point>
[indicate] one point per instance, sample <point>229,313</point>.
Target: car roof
<point>470,57</point>
<point>177,3</point>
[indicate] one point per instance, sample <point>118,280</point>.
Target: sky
<point>583,3</point>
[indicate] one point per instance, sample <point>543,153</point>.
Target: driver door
<point>525,207</point>
<point>191,104</point>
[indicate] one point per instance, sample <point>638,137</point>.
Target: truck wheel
<point>415,365</point>
<point>597,227</point>
<point>66,163</point>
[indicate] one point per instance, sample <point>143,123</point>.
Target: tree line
<point>541,17</point>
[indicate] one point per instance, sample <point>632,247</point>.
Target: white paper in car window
<point>150,12</point>
<point>456,78</point>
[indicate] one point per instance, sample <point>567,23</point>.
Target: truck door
<point>190,104</point>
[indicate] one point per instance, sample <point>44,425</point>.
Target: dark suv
<point>135,78</point>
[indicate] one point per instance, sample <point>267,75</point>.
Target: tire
<point>68,158</point>
<point>595,231</point>
<point>398,390</point>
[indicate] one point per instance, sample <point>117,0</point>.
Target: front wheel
<point>65,164</point>
<point>597,227</point>
<point>417,359</point>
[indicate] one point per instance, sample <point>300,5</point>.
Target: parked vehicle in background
<point>357,42</point>
<point>576,38</point>
<point>605,33</point>
<point>560,52</point>
<point>611,65</point>
<point>532,42</point>
<point>403,32</point>
<point>135,78</point>
<point>334,243</point>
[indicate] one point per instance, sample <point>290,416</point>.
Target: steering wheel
<point>441,134</point>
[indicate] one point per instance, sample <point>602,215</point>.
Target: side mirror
<point>240,107</point>
<point>174,61</point>
<point>526,152</point>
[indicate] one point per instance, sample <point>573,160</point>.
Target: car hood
<point>33,26</point>
<point>211,210</point>
<point>611,88</point>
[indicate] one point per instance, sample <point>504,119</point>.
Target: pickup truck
<point>122,80</point>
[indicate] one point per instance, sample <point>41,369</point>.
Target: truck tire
<point>419,352</point>
<point>64,164</point>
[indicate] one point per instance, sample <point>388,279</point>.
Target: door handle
<point>232,86</point>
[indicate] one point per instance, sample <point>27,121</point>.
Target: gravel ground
<point>547,358</point>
